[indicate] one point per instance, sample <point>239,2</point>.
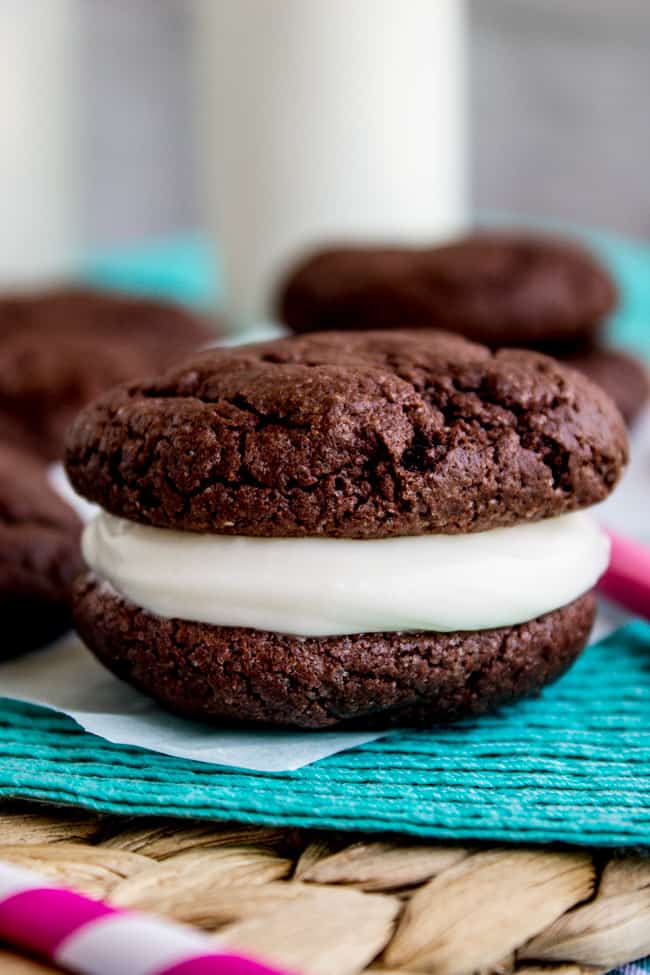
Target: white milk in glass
<point>327,120</point>
<point>38,145</point>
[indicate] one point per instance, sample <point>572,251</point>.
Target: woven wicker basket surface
<point>341,904</point>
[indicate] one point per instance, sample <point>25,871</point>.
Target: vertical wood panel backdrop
<point>560,96</point>
<point>561,109</point>
<point>137,130</point>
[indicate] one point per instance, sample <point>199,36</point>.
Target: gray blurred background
<point>559,93</point>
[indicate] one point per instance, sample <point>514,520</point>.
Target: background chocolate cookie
<point>501,289</point>
<point>495,288</point>
<point>39,554</point>
<point>58,350</point>
<point>363,435</point>
<point>623,377</point>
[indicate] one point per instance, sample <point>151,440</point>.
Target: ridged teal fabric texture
<point>635,968</point>
<point>572,765</point>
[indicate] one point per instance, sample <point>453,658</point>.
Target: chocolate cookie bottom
<point>226,674</point>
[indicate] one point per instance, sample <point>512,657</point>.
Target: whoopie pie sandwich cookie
<point>375,528</point>
<point>39,555</point>
<point>499,288</point>
<point>60,349</point>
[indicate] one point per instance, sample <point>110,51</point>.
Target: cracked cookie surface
<point>358,435</point>
<point>500,288</point>
<point>373,679</point>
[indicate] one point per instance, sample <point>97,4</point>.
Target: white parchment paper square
<point>67,678</point>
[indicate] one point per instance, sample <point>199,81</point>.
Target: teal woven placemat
<point>572,765</point>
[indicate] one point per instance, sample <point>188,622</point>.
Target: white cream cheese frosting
<point>327,587</point>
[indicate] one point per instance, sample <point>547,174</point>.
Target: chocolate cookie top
<point>495,288</point>
<point>364,435</point>
<point>59,350</point>
<point>39,533</point>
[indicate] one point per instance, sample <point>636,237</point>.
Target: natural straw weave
<point>333,904</point>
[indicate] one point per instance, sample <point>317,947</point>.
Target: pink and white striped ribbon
<point>92,938</point>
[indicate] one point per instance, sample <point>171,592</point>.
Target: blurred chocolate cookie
<point>60,349</point>
<point>495,288</point>
<point>501,289</point>
<point>39,554</point>
<point>624,378</point>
